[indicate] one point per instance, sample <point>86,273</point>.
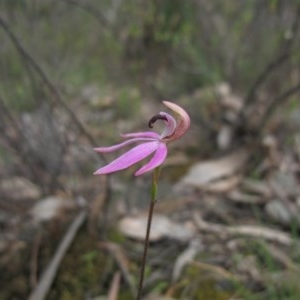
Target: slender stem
<point>149,221</point>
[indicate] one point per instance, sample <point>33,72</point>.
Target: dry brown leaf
<point>162,227</point>
<point>258,187</point>
<point>223,185</point>
<point>50,207</point>
<point>203,173</point>
<point>186,257</point>
<point>241,197</point>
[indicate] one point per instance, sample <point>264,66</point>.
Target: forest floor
<point>226,223</point>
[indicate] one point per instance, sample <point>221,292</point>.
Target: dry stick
<point>115,287</point>
<point>34,260</point>
<point>42,288</point>
<point>245,230</point>
<point>118,256</point>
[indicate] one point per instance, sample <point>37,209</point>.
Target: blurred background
<point>74,74</point>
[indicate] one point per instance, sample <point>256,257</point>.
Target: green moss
<point>160,287</point>
<point>114,235</point>
<point>82,271</point>
<point>200,285</point>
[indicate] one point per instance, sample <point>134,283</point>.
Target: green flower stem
<point>149,221</point>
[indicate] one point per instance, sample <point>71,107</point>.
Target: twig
<point>92,11</point>
<point>262,77</point>
<point>282,257</point>
<point>54,92</point>
<point>185,258</point>
<point>121,260</point>
<point>41,290</point>
<point>217,270</point>
<point>96,206</point>
<point>274,105</point>
<point>13,143</point>
<point>245,230</point>
<point>284,55</point>
<point>56,95</point>
<point>34,260</point>
<point>115,286</point>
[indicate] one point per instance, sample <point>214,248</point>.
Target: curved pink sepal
<point>158,159</point>
<point>145,134</point>
<point>183,121</point>
<point>129,158</point>
<point>121,145</point>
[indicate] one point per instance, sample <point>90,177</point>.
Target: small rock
<point>285,184</point>
<point>49,208</point>
<point>283,213</point>
<point>16,188</point>
<point>225,136</point>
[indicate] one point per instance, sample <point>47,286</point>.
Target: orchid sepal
<point>183,121</point>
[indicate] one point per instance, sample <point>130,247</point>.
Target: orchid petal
<point>118,146</point>
<point>129,158</point>
<point>183,121</point>
<point>158,158</point>
<point>145,134</point>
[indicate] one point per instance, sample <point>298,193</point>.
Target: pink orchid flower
<point>151,142</point>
